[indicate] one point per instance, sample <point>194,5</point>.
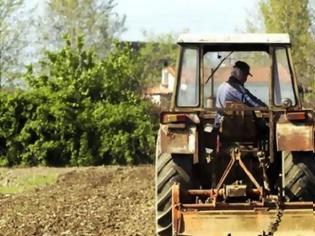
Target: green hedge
<point>78,110</point>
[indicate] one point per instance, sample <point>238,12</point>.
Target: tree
<point>312,59</point>
<point>93,19</point>
<point>156,51</point>
<point>293,17</point>
<point>13,39</point>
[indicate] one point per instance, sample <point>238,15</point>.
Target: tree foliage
<point>13,39</point>
<point>157,50</point>
<point>295,18</point>
<point>78,110</point>
<point>96,20</point>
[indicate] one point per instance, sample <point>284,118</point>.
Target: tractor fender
<point>295,131</point>
<point>178,138</point>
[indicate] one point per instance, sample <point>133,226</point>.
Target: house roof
<point>157,90</point>
<point>260,74</point>
<point>171,70</point>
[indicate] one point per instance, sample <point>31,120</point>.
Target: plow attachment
<point>242,219</point>
<point>243,223</point>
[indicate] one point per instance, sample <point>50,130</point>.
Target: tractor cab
<point>205,62</point>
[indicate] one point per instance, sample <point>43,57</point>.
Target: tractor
<point>255,174</point>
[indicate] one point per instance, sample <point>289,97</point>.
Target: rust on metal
<point>248,173</point>
<point>166,117</point>
<point>235,190</point>
<point>180,138</point>
<point>308,206</point>
<point>193,140</point>
<point>241,219</point>
<point>225,206</point>
<point>300,115</point>
<point>236,156</point>
<point>176,214</point>
<point>226,172</point>
<point>219,192</point>
<point>174,141</point>
<point>294,136</point>
<point>244,131</point>
<point>247,223</point>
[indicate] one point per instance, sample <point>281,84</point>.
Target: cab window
<point>260,68</point>
<point>188,87</point>
<point>283,85</point>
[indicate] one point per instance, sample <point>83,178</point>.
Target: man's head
<point>241,71</point>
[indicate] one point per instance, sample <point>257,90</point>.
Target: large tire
<point>168,170</point>
<point>299,169</point>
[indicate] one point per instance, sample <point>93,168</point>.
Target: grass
<point>10,190</point>
<point>18,180</point>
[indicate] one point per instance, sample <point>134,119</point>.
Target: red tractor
<point>255,174</point>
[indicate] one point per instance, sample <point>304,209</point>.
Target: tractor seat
<point>238,124</point>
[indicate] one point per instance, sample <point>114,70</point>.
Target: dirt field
<point>84,201</point>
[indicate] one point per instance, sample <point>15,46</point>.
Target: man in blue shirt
<point>233,90</point>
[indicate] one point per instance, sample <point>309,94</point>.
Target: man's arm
<point>250,100</point>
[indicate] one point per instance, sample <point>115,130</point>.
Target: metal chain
<point>273,227</point>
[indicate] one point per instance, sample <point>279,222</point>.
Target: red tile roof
<point>157,90</point>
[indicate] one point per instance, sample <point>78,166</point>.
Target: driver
<point>233,90</point>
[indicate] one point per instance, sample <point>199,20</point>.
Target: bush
<point>78,110</point>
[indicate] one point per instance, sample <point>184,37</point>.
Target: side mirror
<point>303,89</point>
<point>308,90</point>
<point>286,102</point>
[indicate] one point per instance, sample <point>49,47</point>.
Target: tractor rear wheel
<point>168,170</point>
<point>299,169</point>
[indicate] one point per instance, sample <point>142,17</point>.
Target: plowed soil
<point>86,201</point>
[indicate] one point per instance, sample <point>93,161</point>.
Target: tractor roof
<point>234,38</point>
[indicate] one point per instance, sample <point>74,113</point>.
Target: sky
<point>198,16</point>
<point>164,16</point>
